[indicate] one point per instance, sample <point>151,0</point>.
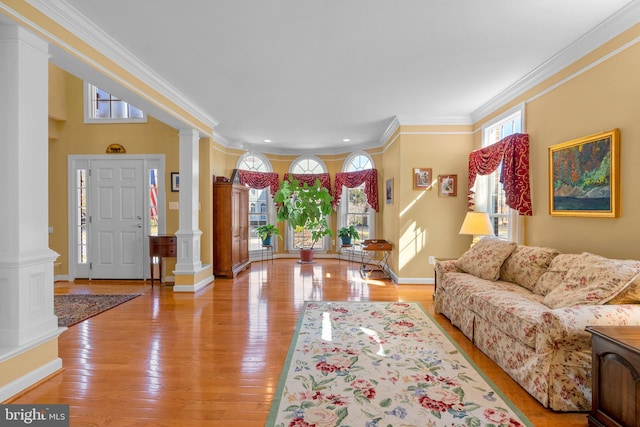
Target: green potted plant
<point>347,234</point>
<point>265,232</point>
<point>305,208</point>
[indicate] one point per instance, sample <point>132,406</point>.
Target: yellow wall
<point>390,212</point>
<point>420,223</point>
<point>600,99</point>
<point>57,93</point>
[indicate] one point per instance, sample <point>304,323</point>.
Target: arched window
<point>261,198</point>
<point>254,162</point>
<point>353,208</point>
<point>306,165</point>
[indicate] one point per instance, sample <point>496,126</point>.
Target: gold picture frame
<point>584,176</point>
<point>422,178</point>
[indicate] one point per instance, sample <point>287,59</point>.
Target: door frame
<point>77,162</point>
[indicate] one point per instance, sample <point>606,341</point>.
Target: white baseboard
<point>30,379</point>
<point>415,281</point>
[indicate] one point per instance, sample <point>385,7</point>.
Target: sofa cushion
<point>513,310</point>
<point>485,258</point>
<point>591,280</point>
<point>526,264</point>
<point>464,285</point>
<point>555,274</point>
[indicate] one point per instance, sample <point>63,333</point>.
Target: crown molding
<point>391,129</point>
<point>77,24</point>
<point>220,139</point>
<point>416,120</point>
<point>611,27</point>
<point>266,149</point>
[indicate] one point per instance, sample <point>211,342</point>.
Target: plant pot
<point>345,240</point>
<point>306,255</point>
<point>266,241</point>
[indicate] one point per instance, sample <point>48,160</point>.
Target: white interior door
<point>116,219</point>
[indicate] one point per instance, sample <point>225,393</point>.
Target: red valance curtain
<point>259,180</point>
<point>513,152</point>
<point>310,179</point>
<point>354,179</point>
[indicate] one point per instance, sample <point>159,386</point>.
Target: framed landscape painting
<point>584,175</point>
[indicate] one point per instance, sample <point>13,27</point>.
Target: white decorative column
<point>28,327</point>
<point>190,274</point>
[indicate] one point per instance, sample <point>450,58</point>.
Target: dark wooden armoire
<point>230,228</point>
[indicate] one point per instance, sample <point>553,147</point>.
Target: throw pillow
<point>556,273</point>
<point>591,280</point>
<point>526,264</point>
<point>485,258</point>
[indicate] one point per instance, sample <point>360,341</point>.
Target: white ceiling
<point>307,74</point>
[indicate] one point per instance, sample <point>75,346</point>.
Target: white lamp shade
<point>477,224</point>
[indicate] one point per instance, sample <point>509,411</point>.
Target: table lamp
<point>477,224</point>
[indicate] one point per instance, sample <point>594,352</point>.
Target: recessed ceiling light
<point>267,140</point>
<point>346,140</point>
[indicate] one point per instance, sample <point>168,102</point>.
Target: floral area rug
<point>74,308</point>
<point>382,364</point>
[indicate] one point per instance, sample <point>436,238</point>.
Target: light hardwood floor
<point>214,358</point>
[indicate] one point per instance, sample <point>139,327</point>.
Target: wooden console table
<point>616,376</point>
<point>161,247</point>
<point>378,250</point>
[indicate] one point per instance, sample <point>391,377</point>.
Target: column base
<point>193,281</point>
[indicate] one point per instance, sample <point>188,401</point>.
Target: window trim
<point>255,254</point>
<point>515,229</point>
<point>342,207</point>
<point>261,156</point>
<point>289,233</point>
<point>88,109</point>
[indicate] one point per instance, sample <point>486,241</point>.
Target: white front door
<point>116,219</point>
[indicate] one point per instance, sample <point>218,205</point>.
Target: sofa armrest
<point>445,266</point>
<point>566,326</point>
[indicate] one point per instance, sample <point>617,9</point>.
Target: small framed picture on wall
<point>422,178</point>
<point>389,191</point>
<point>447,185</point>
<point>175,181</point>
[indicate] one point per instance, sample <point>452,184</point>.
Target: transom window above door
<point>103,107</point>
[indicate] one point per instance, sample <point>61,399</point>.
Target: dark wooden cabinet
<point>616,376</point>
<point>230,228</point>
<point>161,247</point>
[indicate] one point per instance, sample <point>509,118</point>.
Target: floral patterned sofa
<point>527,308</point>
